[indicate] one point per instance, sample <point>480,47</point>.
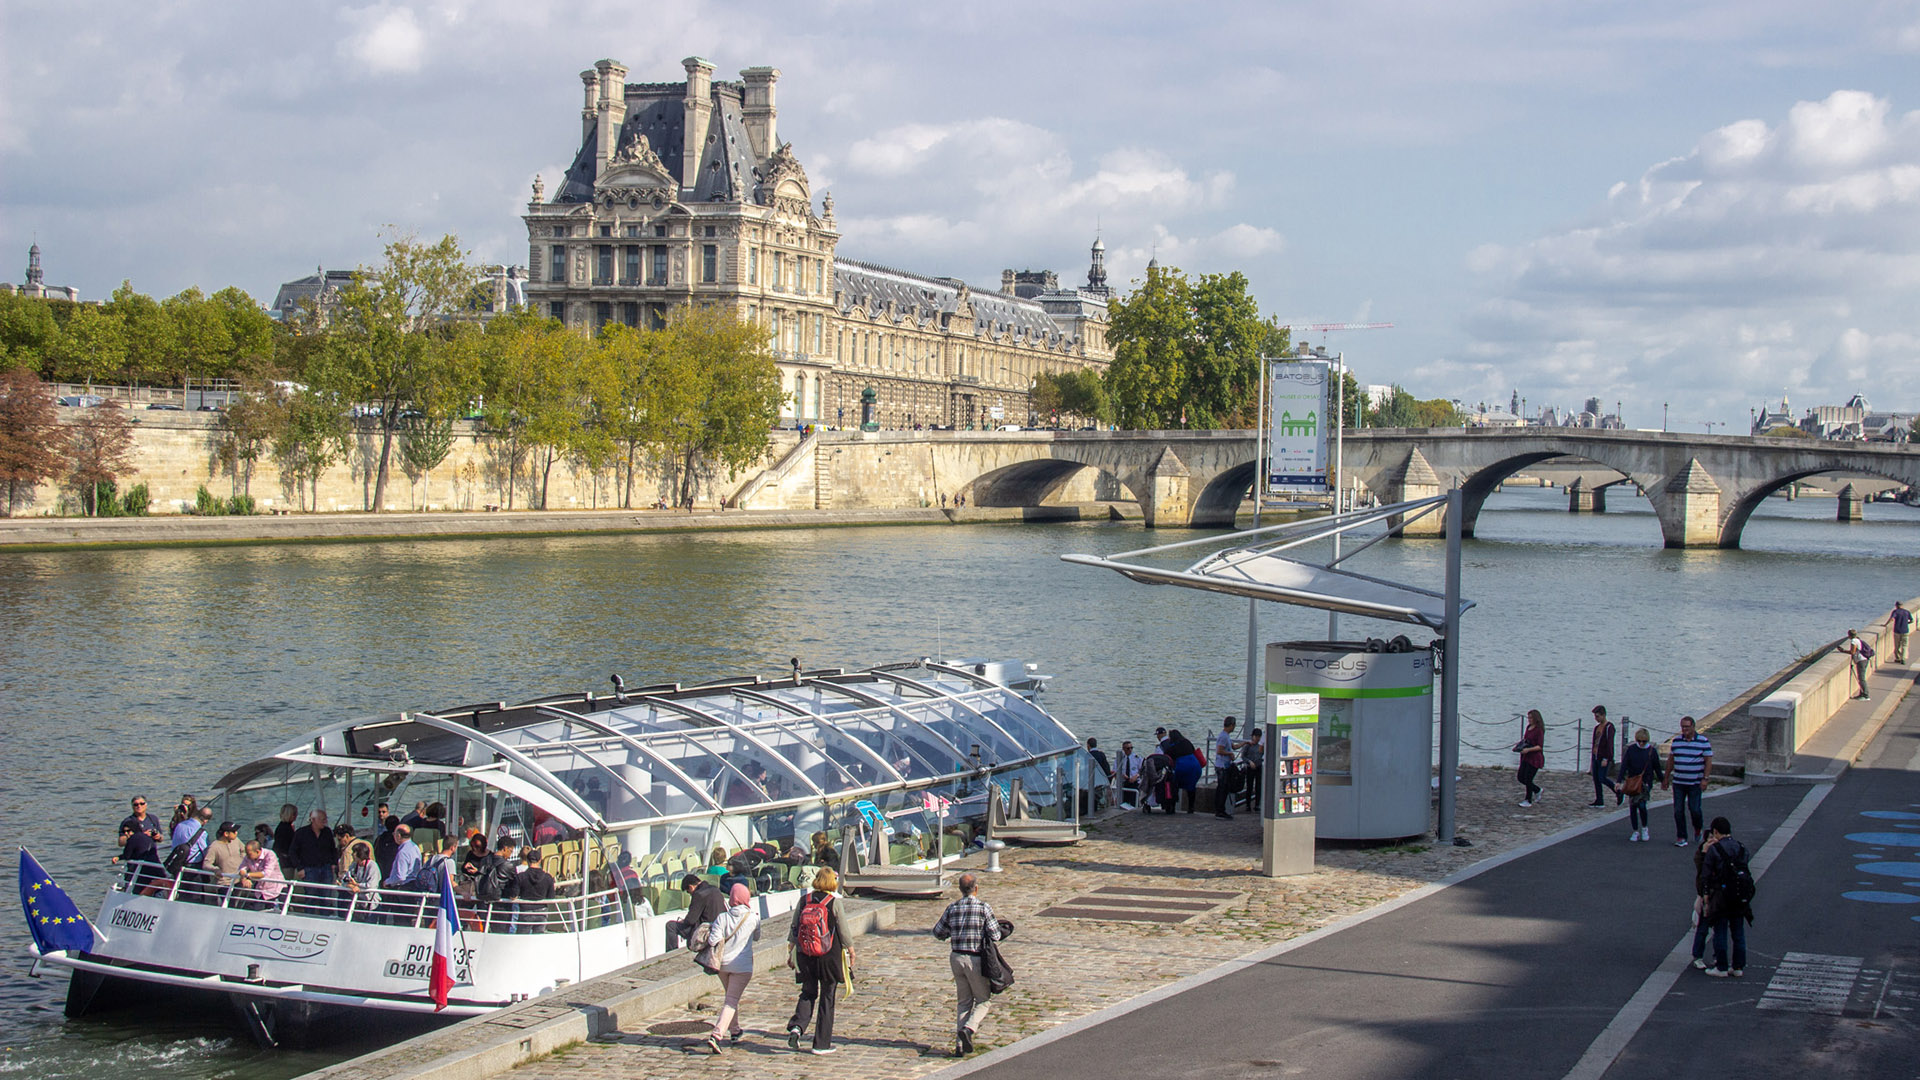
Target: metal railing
<point>387,907</point>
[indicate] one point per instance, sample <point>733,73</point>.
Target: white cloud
<point>1772,255</point>
<point>387,41</point>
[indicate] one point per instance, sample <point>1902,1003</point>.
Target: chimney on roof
<point>590,108</point>
<point>698,108</point>
<point>757,110</point>
<point>1006,282</point>
<point>610,110</point>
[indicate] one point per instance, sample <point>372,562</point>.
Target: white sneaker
<point>1633,837</point>
<point>1681,843</point>
<point>1526,802</point>
<point>1699,964</point>
<point>1645,835</point>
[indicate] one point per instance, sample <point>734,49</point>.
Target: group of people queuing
<point>722,924</point>
<point>1631,774</point>
<point>1175,766</point>
<point>377,877</point>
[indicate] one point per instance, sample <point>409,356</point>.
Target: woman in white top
<point>732,937</point>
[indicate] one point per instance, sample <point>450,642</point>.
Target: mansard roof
<point>913,296</point>
<point>656,112</point>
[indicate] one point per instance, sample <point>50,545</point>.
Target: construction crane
<point>1323,328</point>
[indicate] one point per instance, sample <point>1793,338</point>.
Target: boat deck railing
<point>388,907</point>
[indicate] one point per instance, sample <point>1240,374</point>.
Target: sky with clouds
<point>1701,205</point>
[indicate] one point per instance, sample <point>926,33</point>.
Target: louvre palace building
<point>683,193</point>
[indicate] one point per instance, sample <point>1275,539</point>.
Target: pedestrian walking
<point>1902,621</point>
<point>1689,760</point>
<point>732,938</point>
<point>821,955</point>
<point>1226,774</point>
<point>1532,749</point>
<point>967,926</point>
<point>1600,757</point>
<point>1859,652</point>
<point>1729,881</point>
<point>1639,772</point>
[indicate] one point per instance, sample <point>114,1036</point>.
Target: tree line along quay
<point>374,378</point>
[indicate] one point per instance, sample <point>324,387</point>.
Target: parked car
<point>162,406</point>
<point>81,401</point>
<point>211,408</point>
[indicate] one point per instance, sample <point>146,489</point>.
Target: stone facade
<point>682,193</point>
<point>35,283</point>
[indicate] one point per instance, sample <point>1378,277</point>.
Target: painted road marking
<point>1812,982</point>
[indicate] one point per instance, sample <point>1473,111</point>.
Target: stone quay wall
<point>175,453</point>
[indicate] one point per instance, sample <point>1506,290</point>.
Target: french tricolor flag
<point>440,980</point>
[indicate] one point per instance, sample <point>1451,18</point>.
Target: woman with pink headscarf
<point>732,936</point>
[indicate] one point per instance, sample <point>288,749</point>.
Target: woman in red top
<point>1533,756</point>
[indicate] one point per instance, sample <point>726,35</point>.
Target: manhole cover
<point>679,1027</point>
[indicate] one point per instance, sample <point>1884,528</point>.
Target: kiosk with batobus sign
<point>1365,708</point>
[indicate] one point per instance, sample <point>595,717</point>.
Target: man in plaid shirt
<point>968,924</point>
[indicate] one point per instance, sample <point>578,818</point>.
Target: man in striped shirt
<point>1689,758</point>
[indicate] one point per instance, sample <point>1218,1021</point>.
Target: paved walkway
<point>1565,963</point>
<point>899,1023</point>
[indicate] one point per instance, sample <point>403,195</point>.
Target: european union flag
<point>56,923</point>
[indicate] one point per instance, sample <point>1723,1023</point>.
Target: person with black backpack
<point>821,956</point>
<point>1729,898</point>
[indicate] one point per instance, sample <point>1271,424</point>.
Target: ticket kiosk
<point>1374,777</point>
<point>1286,803</point>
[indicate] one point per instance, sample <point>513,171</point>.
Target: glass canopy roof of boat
<point>731,747</point>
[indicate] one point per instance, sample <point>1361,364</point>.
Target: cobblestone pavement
<point>899,1022</point>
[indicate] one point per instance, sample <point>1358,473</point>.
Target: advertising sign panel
<point>1298,419</point>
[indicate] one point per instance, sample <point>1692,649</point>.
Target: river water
<point>154,670</point>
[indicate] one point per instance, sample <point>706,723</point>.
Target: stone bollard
<point>993,849</point>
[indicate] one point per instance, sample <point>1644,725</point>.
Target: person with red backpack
<point>821,954</point>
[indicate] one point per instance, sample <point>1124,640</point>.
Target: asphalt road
<point>1833,977</point>
<point>1516,972</point>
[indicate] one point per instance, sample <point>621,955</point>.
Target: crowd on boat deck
<point>377,877</point>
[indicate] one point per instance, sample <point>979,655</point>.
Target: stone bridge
<point>1703,488</point>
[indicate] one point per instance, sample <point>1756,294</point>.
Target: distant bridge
<point>1703,488</point>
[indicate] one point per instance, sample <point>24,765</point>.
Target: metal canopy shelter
<point>1258,569</point>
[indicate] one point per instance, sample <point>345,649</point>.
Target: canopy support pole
<point>1450,675</point>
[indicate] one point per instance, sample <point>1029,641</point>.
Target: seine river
<point>154,670</point>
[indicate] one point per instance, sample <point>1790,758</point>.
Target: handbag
<point>709,952</point>
<point>1632,786</point>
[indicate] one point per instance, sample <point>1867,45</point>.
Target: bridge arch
<point>1479,483</point>
<point>1218,503</point>
<point>1743,507</point>
<point>1033,483</point>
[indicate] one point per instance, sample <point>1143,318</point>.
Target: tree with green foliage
<point>718,394</point>
<point>1186,354</point>
<point>1068,396</point>
<point>99,450</point>
<point>91,346</point>
<point>27,332</point>
<point>1403,410</point>
<point>32,448</point>
<point>627,400</point>
<point>150,335</point>
<point>247,428</point>
<point>530,370</point>
<point>315,436</point>
<point>427,443</point>
<point>386,348</point>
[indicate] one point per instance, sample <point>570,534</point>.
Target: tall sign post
<point>1291,456</point>
<point>1286,807</point>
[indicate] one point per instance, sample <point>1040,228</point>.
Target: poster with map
<point>1297,422</point>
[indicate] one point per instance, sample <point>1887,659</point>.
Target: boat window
<point>1035,730</point>
<point>965,730</point>
<point>601,775</point>
<point>904,746</point>
<point>825,756</point>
